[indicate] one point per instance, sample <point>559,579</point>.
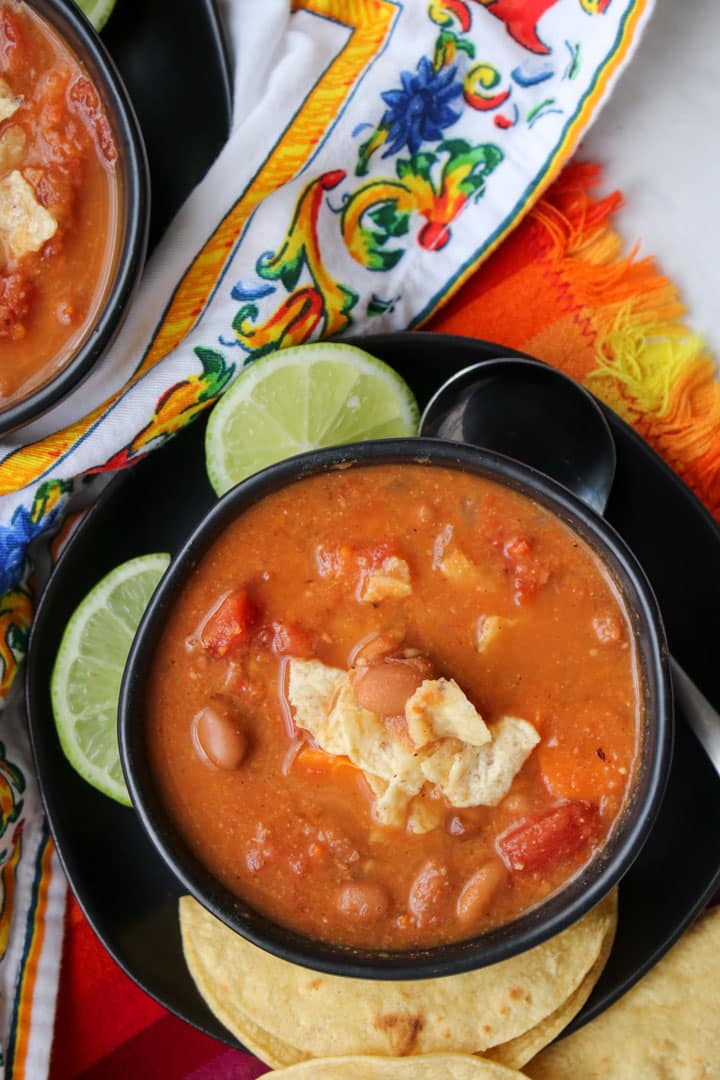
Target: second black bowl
<point>130,228</point>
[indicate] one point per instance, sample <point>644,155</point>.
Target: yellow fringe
<point>645,359</point>
<point>650,367</point>
<point>657,376</point>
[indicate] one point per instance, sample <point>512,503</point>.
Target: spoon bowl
<point>534,414</point>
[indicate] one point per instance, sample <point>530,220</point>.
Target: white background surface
<point>658,139</point>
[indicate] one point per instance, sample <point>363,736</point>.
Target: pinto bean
<point>366,901</point>
<point>218,736</point>
<point>429,892</point>
<point>384,687</point>
<point>479,891</point>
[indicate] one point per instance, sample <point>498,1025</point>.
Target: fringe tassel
<point>650,368</point>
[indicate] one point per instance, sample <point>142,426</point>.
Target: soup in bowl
<point>398,709</point>
<point>73,205</point>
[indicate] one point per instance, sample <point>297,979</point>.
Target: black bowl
<point>133,213</point>
<point>548,918</point>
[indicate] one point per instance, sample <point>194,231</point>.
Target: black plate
<point>131,899</point>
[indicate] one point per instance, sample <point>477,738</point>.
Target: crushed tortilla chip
<point>312,686</point>
<point>391,580</point>
<point>460,570</point>
<point>439,709</point>
<point>481,776</point>
<point>425,815</point>
<point>340,725</point>
<point>9,102</point>
<point>397,769</point>
<point>392,799</point>
<point>25,225</point>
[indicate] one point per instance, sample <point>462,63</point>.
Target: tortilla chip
<point>481,775</point>
<point>391,581</point>
<point>9,102</point>
<point>425,1067</point>
<point>516,1053</point>
<point>454,748</point>
<point>286,1013</point>
<point>460,570</point>
<point>666,1028</point>
<point>24,224</point>
<point>439,709</point>
<point>312,687</point>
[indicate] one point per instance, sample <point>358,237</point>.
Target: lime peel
<point>86,677</point>
<point>303,398</point>
<point>96,11</point>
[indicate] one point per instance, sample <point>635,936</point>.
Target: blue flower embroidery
<point>24,526</point>
<point>13,546</point>
<point>420,111</point>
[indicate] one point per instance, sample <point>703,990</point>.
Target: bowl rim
<point>538,924</point>
<point>67,20</point>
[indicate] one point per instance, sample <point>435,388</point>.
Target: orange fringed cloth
<point>560,289</point>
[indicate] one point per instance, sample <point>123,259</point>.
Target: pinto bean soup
<point>59,202</point>
<point>396,706</point>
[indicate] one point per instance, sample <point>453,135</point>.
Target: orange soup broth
<point>283,836</point>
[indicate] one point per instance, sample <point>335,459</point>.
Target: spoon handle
<point>699,713</point>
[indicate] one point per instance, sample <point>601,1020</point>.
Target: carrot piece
<point>317,761</point>
<point>596,760</point>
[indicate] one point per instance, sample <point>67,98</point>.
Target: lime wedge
<point>301,399</point>
<point>97,11</point>
<point>85,684</point>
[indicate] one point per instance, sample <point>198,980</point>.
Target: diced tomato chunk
<point>551,838</point>
<point>339,560</point>
<point>230,624</point>
<point>83,96</point>
<point>15,295</point>
<point>289,639</point>
<point>530,570</point>
<point>517,548</point>
<point>11,52</point>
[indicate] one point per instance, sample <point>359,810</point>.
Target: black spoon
<point>540,417</point>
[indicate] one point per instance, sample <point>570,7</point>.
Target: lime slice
<point>85,684</point>
<point>97,11</point>
<point>301,399</point>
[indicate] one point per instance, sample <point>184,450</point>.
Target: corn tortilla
<point>424,1067</point>
<point>516,1053</point>
<point>666,1028</point>
<point>274,1052</point>
<point>286,1013</point>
